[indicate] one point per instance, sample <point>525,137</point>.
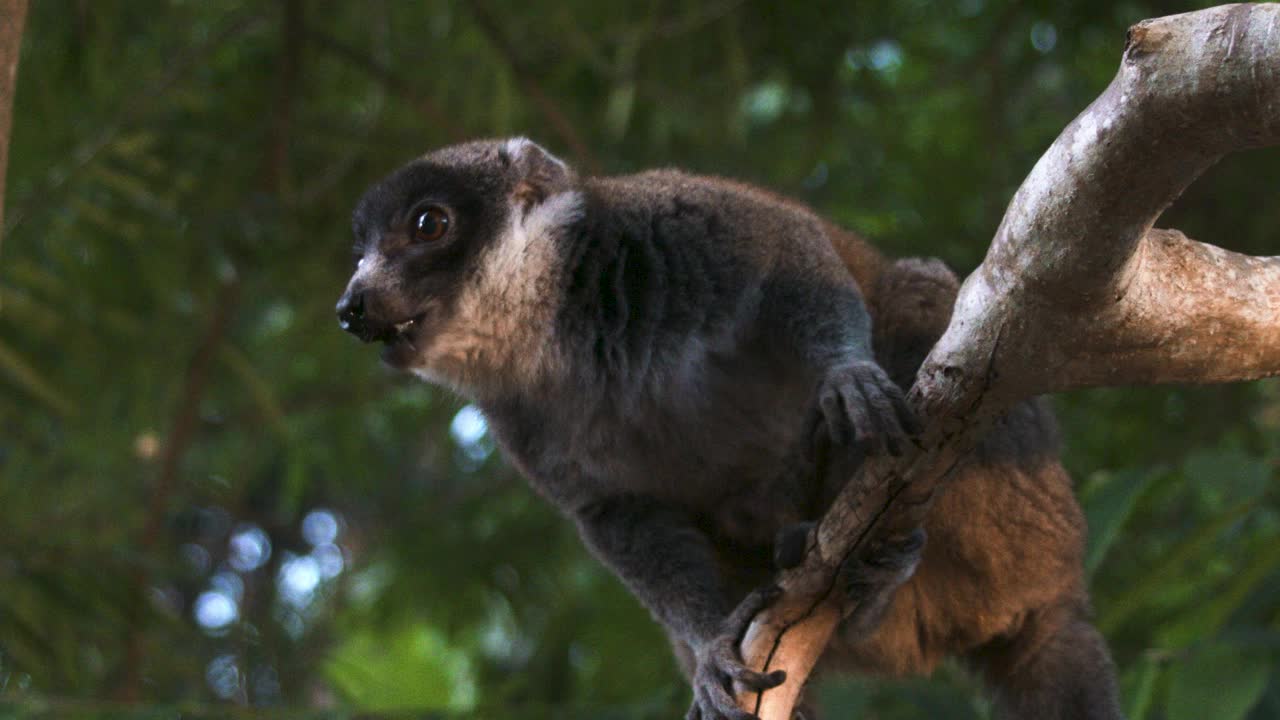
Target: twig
<point>320,183</point>
<point>175,447</point>
<point>389,79</point>
<point>276,175</point>
<point>695,20</point>
<point>559,122</point>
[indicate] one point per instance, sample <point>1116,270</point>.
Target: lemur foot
<point>719,666</point>
<point>869,583</point>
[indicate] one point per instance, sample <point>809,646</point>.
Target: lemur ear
<point>540,174</point>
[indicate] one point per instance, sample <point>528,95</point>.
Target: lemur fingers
<point>861,407</point>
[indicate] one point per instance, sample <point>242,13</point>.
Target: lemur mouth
<point>401,341</point>
<point>403,327</point>
<point>401,331</point>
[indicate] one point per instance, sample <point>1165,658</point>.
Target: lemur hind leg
<point>1056,667</point>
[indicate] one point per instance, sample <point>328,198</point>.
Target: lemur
<point>659,354</point>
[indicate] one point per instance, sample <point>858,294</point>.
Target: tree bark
<point>13,19</point>
<point>1076,290</point>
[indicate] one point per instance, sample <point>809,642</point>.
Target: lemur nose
<point>351,313</point>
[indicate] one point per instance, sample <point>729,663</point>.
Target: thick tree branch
<point>1073,259</point>
<point>1190,313</point>
<point>1076,290</point>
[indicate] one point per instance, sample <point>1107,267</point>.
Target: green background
<point>211,498</point>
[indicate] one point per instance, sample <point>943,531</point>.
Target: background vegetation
<point>210,497</point>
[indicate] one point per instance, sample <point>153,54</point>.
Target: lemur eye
<point>431,224</point>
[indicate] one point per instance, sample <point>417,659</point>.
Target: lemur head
<point>457,259</point>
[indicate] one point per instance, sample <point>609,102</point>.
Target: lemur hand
<point>860,406</point>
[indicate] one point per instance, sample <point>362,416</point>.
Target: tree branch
<point>13,18</point>
<point>1076,290</point>
<point>1191,313</point>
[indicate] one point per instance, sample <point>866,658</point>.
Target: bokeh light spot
<point>470,431</point>
<point>223,676</point>
<point>215,610</point>
<point>250,548</point>
<point>229,584</point>
<point>468,426</point>
<point>320,527</point>
<point>1044,37</point>
<point>886,55</point>
<point>299,578</point>
<point>329,559</point>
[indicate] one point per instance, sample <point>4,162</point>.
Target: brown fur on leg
<point>1055,668</point>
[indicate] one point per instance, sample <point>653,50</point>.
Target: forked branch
<point>1076,290</point>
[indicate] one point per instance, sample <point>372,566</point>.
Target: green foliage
<point>212,500</point>
<point>401,669</point>
<point>1220,681</point>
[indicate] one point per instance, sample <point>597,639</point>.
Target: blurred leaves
<point>1108,501</point>
<point>1217,681</point>
<point>160,148</point>
<point>404,669</point>
<point>28,378</point>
